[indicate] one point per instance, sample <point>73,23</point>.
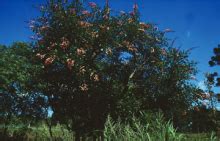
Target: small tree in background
<point>215,61</point>
<point>17,96</point>
<point>204,114</point>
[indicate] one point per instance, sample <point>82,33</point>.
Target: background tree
<point>17,98</point>
<point>215,61</point>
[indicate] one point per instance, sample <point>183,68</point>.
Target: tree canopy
<point>95,62</point>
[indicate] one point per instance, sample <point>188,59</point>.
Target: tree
<point>17,98</point>
<point>215,61</point>
<point>96,63</point>
<point>204,115</point>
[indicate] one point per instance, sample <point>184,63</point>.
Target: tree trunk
<point>5,133</point>
<point>50,129</point>
<point>76,137</point>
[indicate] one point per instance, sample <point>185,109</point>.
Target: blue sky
<point>195,22</point>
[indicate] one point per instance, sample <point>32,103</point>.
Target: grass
<point>155,130</point>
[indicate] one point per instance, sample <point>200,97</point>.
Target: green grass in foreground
<point>156,130</point>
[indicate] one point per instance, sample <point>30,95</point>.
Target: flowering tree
<point>96,63</point>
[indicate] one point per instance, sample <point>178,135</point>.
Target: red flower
<point>70,63</point>
<point>40,55</point>
<point>80,51</point>
<point>49,61</point>
<point>144,25</point>
<point>84,24</point>
<point>65,43</point>
<point>96,78</point>
<point>82,70</point>
<point>84,87</point>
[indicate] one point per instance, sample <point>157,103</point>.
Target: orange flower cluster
<point>64,43</point>
<point>94,34</point>
<point>80,51</point>
<point>141,29</point>
<point>82,70</point>
<point>130,46</point>
<point>104,28</point>
<point>130,20</point>
<point>144,25</point>
<point>41,56</point>
<point>49,61</point>
<point>108,51</point>
<point>52,45</point>
<point>86,13</point>
<point>84,87</point>
<point>94,77</point>
<point>84,24</point>
<point>70,63</point>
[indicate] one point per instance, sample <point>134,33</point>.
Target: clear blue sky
<point>196,22</point>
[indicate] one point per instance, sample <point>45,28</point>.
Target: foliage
<point>96,63</point>
<point>17,98</point>
<point>215,60</point>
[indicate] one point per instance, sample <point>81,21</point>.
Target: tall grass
<point>136,130</point>
<point>148,127</point>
